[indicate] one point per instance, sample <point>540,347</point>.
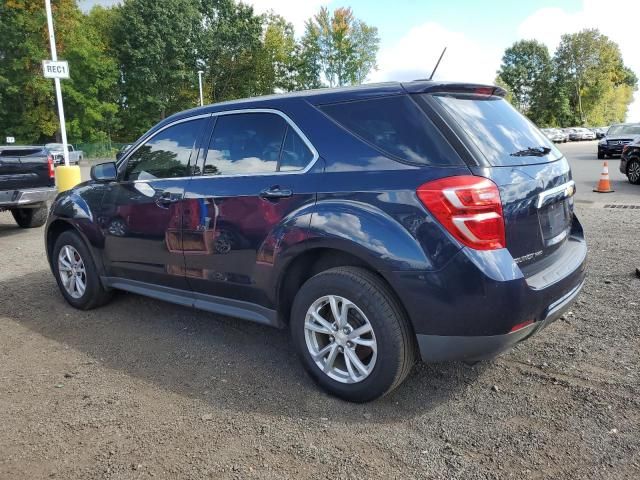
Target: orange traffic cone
<point>604,186</point>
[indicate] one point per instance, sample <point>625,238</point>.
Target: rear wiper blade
<point>532,152</point>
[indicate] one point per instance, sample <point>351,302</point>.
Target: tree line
<point>136,63</point>
<point>584,83</point>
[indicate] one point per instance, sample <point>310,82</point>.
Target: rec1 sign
<point>59,69</point>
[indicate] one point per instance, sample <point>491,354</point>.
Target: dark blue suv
<point>379,224</point>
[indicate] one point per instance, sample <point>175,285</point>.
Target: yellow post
<point>67,176</point>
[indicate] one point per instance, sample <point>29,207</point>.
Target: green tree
<point>27,100</point>
<point>338,47</point>
<point>278,59</point>
<point>599,86</point>
<point>526,70</point>
<point>156,43</point>
<point>228,49</point>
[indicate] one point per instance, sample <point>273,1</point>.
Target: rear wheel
<point>351,334</point>
<point>76,273</point>
<point>633,171</point>
<point>30,217</point>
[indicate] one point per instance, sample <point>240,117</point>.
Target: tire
<point>30,217</point>
<point>633,171</point>
<point>94,294</point>
<point>600,155</point>
<point>395,343</point>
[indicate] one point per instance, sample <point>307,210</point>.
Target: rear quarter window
<point>499,131</point>
<point>396,126</point>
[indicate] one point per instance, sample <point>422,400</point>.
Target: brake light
<point>469,207</point>
<point>52,172</point>
<point>484,91</point>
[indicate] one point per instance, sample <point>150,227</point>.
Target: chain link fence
<point>103,150</point>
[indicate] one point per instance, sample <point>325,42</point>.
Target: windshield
<point>624,130</point>
<point>503,135</point>
<point>54,146</point>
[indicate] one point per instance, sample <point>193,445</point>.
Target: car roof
<point>322,96</point>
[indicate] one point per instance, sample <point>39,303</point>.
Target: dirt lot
<point>141,389</point>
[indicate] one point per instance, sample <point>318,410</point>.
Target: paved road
<point>586,170</point>
<point>144,389</point>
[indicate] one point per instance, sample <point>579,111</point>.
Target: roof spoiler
<point>449,87</point>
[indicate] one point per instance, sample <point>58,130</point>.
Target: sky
<point>476,33</point>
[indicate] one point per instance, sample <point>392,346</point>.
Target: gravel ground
<point>141,389</point>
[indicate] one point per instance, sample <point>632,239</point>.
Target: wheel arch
<point>60,225</point>
<point>312,261</point>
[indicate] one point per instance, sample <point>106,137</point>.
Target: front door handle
<point>275,192</point>
<point>166,199</point>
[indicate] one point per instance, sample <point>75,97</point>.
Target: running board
<point>210,303</point>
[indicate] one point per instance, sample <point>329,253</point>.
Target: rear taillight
<point>52,172</point>
<point>469,208</point>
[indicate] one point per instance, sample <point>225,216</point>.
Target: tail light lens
<point>52,172</point>
<point>469,208</point>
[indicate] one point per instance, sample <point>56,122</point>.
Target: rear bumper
<point>26,197</point>
<point>441,348</point>
<point>468,310</point>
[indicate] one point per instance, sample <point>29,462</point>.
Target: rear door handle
<point>275,192</point>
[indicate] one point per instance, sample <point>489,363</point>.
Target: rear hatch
<point>24,167</point>
<point>533,176</point>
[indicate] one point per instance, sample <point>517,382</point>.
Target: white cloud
<point>295,11</point>
<point>548,24</point>
<point>416,53</point>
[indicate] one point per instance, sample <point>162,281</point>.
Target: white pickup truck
<point>74,155</point>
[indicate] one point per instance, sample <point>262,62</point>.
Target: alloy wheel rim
<point>634,171</point>
<point>72,271</point>
<point>340,339</point>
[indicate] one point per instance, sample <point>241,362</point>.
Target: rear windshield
<point>19,152</point>
<point>624,130</point>
<point>396,126</point>
<point>503,135</point>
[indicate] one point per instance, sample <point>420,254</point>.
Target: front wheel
<point>351,334</point>
<point>633,172</point>
<point>76,273</point>
<point>600,155</point>
<point>30,217</point>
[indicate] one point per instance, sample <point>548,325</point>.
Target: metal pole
<point>200,72</point>
<point>54,57</point>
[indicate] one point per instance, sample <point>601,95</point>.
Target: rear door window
<point>396,126</point>
<point>503,135</point>
<point>245,144</point>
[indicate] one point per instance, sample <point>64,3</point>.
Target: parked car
<point>580,133</point>
<point>555,135</point>
<point>27,183</point>
<point>617,137</point>
<point>75,156</point>
<point>377,223</point>
<point>600,132</point>
<point>630,161</point>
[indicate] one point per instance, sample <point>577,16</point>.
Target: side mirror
<point>104,172</point>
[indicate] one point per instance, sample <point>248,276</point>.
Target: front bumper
<point>623,165</point>
<point>439,348</point>
<point>610,149</point>
<point>26,197</point>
